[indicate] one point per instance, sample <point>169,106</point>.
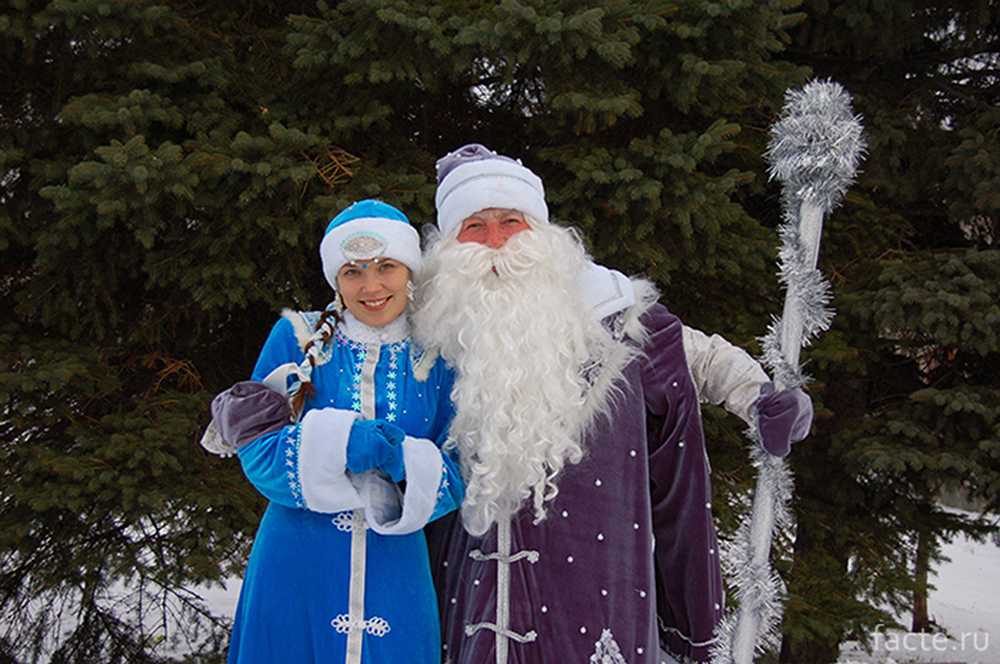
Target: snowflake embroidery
<point>443,486</point>
<point>293,442</point>
<point>394,377</point>
<point>358,353</point>
<point>606,650</point>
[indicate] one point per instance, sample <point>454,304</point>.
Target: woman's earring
<point>410,290</point>
<point>338,303</point>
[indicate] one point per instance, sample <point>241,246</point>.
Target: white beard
<point>514,325</point>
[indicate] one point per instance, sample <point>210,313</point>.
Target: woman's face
<point>374,291</point>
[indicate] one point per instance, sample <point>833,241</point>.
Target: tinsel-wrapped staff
<point>815,150</point>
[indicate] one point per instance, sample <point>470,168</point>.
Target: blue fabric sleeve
<point>452,489</point>
<point>271,464</point>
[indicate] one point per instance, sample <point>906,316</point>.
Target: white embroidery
<point>375,626</point>
<point>394,376</point>
<point>343,521</point>
<point>445,484</point>
<point>393,379</point>
<point>358,353</point>
<point>606,650</point>
<point>293,441</point>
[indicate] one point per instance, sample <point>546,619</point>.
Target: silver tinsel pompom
<point>817,144</point>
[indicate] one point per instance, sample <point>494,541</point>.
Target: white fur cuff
<point>323,461</point>
<point>424,467</point>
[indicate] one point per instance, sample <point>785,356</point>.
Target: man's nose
<point>495,237</point>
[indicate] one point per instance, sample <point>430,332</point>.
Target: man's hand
<point>783,418</point>
<point>376,445</point>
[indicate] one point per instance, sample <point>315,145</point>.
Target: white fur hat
<point>367,230</point>
<point>474,178</point>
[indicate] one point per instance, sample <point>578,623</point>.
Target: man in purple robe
<point>586,534</point>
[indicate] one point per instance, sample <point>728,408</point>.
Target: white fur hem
<point>326,486</point>
<point>424,467</point>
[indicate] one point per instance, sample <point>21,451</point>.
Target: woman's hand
<point>376,445</point>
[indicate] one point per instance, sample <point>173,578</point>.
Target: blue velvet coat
<point>310,563</point>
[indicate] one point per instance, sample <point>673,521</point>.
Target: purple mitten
<point>783,418</point>
<point>247,411</point>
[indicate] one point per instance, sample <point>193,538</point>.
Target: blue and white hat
<point>367,230</point>
<point>474,178</point>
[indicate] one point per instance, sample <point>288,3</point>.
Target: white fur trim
<point>605,291</point>
<point>300,325</point>
<point>423,477</point>
<point>646,295</point>
<point>326,486</point>
<point>607,386</point>
<point>488,183</point>
<point>355,330</point>
<point>212,441</point>
<point>402,244</point>
<point>277,380</point>
<point>423,366</point>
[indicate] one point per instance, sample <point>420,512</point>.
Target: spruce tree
<point>907,380</point>
<point>167,168</point>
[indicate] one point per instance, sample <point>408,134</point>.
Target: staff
<point>815,150</point>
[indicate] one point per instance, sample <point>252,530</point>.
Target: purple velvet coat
<point>627,557</point>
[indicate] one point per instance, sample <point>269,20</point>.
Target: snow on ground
<point>966,602</point>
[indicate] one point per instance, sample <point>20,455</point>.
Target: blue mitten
<point>783,418</point>
<point>376,445</point>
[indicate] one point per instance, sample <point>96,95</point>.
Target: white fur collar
<point>355,330</point>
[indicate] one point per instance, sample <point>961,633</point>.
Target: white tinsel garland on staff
<point>815,150</point>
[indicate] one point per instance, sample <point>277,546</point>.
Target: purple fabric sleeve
<point>690,599</point>
<point>247,411</point>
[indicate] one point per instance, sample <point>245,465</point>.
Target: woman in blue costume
<point>351,464</point>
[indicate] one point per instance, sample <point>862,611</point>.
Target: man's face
<point>492,227</point>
